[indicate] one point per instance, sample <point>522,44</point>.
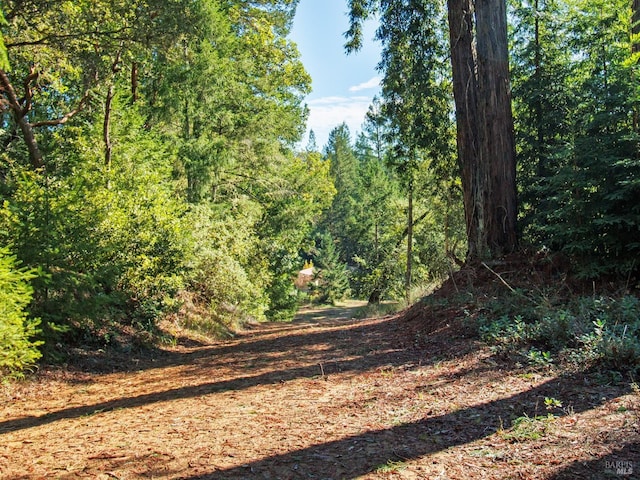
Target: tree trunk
<point>486,145</point>
<point>465,90</point>
<point>375,297</point>
<point>134,82</point>
<point>409,243</point>
<point>496,188</point>
<point>541,161</point>
<point>106,128</point>
<point>35,155</point>
<point>108,107</point>
<point>635,50</point>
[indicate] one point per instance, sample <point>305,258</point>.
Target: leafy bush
<point>17,349</point>
<point>226,272</point>
<point>613,334</point>
<point>589,331</point>
<point>111,241</point>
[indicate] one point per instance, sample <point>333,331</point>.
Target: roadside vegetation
<point>151,175</point>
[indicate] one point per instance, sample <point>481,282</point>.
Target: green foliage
<point>368,214</point>
<point>527,428</point>
<point>576,94</point>
<point>613,338</point>
<point>416,99</point>
<point>18,350</point>
<point>110,242</point>
<point>333,274</point>
<point>590,331</point>
<point>225,272</point>
<point>538,358</point>
<point>293,206</point>
<point>342,220</point>
<point>4,59</point>
<point>165,132</point>
<point>551,403</point>
<point>380,217</point>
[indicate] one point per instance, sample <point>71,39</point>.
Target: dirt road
<point>320,398</point>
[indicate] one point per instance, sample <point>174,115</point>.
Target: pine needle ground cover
<point>413,395</point>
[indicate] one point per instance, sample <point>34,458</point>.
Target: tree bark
<point>19,113</point>
<point>465,90</point>
<point>541,161</point>
<point>22,106</point>
<point>496,189</point>
<point>409,244</point>
<point>635,50</point>
<point>485,137</point>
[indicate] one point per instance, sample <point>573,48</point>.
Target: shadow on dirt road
<point>322,315</point>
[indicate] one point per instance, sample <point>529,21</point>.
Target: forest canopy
<point>147,164</point>
<point>150,162</point>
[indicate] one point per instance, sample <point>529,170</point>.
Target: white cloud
<point>368,85</point>
<point>328,112</point>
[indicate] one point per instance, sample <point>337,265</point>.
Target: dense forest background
<point>151,166</point>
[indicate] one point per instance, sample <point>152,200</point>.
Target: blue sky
<point>343,85</point>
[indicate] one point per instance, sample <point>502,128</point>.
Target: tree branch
<point>413,224</point>
<point>28,92</point>
<point>27,129</point>
<point>49,39</point>
<point>66,117</point>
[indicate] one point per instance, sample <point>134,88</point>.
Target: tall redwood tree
<point>485,138</point>
<point>486,145</point>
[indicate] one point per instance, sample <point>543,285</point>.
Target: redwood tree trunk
<point>635,49</point>
<point>486,145</point>
<point>496,190</point>
<point>465,90</point>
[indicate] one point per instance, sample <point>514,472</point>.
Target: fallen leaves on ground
<point>408,396</point>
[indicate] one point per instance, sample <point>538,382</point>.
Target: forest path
<point>325,397</point>
<point>348,310</point>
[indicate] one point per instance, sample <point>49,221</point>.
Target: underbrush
<point>394,305</point>
<point>378,310</point>
<point>198,317</point>
<point>594,331</point>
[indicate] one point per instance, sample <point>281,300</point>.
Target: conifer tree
<point>480,68</point>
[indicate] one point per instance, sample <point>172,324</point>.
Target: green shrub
<point>18,351</point>
<point>614,334</point>
<point>589,331</point>
<point>110,241</point>
<point>226,272</point>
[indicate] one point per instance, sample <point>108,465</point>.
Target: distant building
<point>305,277</point>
